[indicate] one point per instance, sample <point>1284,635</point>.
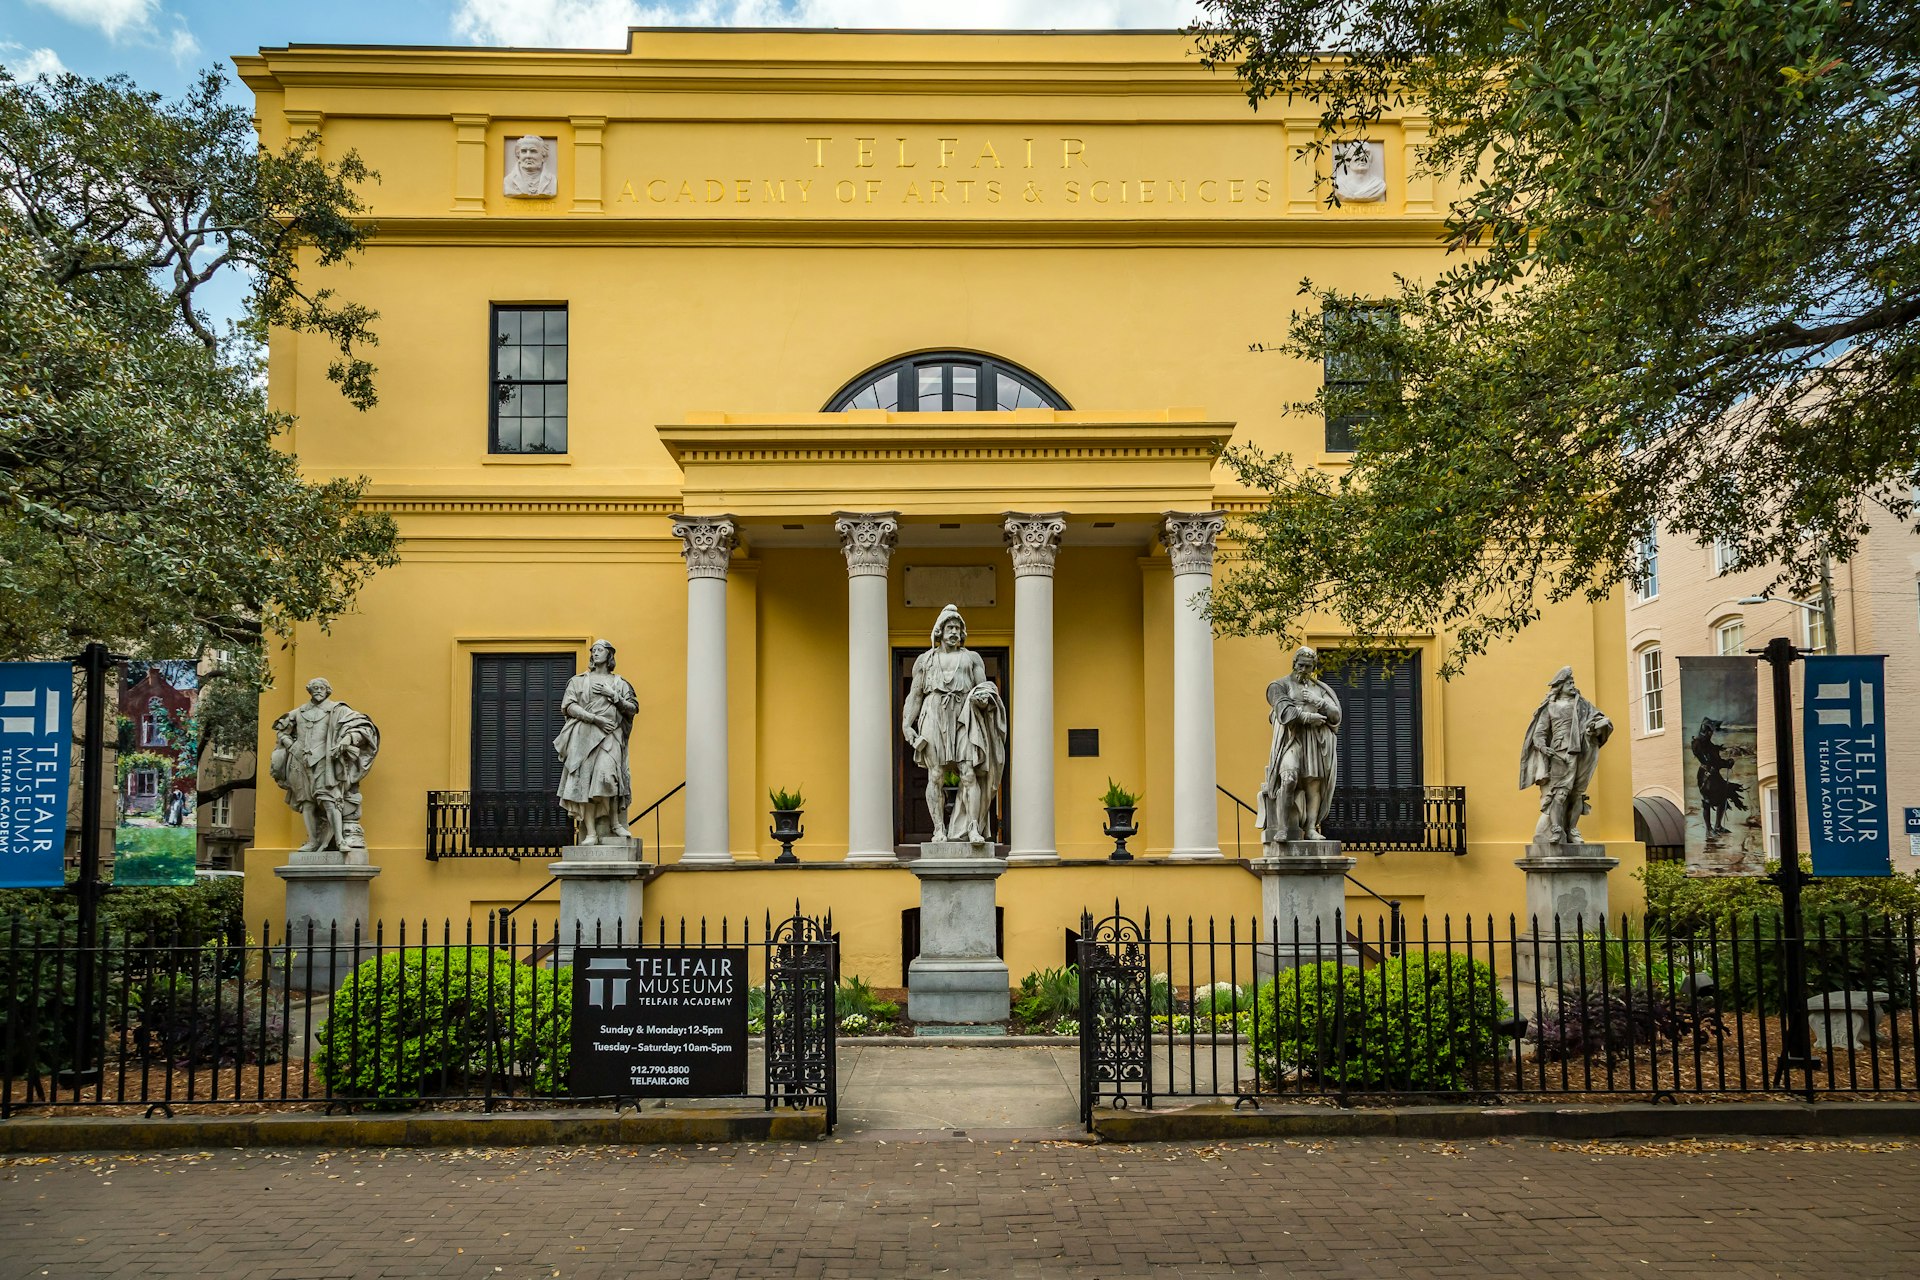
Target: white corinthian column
<point>1190,537</point>
<point>867,539</point>
<point>1034,541</point>
<point>707,543</point>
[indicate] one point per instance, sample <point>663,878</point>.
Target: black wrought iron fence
<point>1468,1012</point>
<point>479,1015</point>
<point>495,824</point>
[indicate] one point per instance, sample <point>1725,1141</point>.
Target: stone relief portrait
<point>1360,172</point>
<point>533,167</point>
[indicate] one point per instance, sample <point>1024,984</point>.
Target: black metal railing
<point>1400,819</point>
<point>383,1019</point>
<point>1468,1013</point>
<point>495,824</point>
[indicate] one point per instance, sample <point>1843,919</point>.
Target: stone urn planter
<point>786,826</point>
<point>1121,827</point>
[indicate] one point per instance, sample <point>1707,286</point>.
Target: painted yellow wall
<point>1138,312</point>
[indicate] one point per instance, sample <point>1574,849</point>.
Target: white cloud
<point>130,22</point>
<point>603,23</point>
<point>182,45</point>
<point>25,63</point>
<point>114,18</point>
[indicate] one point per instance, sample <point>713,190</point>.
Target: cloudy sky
<point>160,43</point>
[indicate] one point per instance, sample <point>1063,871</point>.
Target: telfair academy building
<point>782,342</point>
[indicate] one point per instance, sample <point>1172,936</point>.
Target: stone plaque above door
<point>935,586</point>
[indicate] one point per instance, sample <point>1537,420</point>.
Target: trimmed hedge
<point>1414,1024</point>
<point>407,1025</point>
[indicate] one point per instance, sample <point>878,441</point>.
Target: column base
<point>1032,858</point>
<point>874,857</point>
<point>1195,855</point>
<point>602,895</point>
<point>1567,889</point>
<point>706,859</point>
<point>328,905</point>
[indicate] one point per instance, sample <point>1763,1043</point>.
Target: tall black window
<point>516,716</point>
<point>529,380</point>
<point>1379,742</point>
<point>946,382</point>
<point>515,772</point>
<point>1354,380</point>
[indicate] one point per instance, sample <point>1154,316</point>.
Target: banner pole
<point>94,662</point>
<point>1797,1052</point>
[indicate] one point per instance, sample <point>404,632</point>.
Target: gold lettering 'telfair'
<point>1072,149</point>
<point>820,151</point>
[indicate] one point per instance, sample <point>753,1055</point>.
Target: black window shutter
<point>515,772</point>
<point>1379,743</point>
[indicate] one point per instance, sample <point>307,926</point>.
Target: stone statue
<point>955,722</point>
<point>530,168</point>
<point>595,786</point>
<point>1559,755</point>
<point>321,751</point>
<point>1302,766</point>
<point>1359,172</point>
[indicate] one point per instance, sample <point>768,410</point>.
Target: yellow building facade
<point>781,286</point>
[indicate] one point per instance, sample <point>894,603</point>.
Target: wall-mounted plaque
<point>935,586</point>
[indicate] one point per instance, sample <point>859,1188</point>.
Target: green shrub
<point>1048,994</point>
<point>855,995</point>
<point>1222,1000</point>
<point>408,1024</point>
<point>1704,915</point>
<point>1415,1024</point>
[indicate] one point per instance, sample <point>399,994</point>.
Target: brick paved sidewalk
<point>1348,1207</point>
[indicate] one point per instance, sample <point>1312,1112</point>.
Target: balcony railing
<point>495,824</point>
<point>1396,819</point>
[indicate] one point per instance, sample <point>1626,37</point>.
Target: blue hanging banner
<point>1843,732</point>
<point>36,757</point>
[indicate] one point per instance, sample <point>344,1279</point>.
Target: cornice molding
<point>603,229</point>
<point>872,436</point>
<point>521,506</point>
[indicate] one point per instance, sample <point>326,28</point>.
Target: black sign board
<point>653,1022</point>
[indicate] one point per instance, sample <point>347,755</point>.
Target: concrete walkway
<point>920,1091</point>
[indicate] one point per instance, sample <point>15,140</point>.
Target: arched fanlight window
<point>946,382</point>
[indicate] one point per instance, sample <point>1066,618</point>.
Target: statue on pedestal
<point>595,786</point>
<point>1303,765</point>
<point>321,751</point>
<point>955,721</point>
<point>1561,750</point>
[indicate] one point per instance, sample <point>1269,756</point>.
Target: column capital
<point>707,542</point>
<point>1033,538</point>
<point>867,540</point>
<point>1190,537</point>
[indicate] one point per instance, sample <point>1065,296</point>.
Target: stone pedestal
<point>1567,882</point>
<point>329,896</point>
<point>957,977</point>
<point>601,894</point>
<point>1303,893</point>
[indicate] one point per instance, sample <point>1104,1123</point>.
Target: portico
<point>942,487</point>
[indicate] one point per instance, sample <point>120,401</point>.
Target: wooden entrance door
<point>912,823</point>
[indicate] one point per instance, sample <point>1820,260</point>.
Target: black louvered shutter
<point>1379,797</point>
<point>515,772</point>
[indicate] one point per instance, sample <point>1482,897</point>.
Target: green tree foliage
<point>145,498</point>
<point>1684,287</point>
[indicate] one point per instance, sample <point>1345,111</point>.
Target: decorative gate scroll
<point>1115,1021</point>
